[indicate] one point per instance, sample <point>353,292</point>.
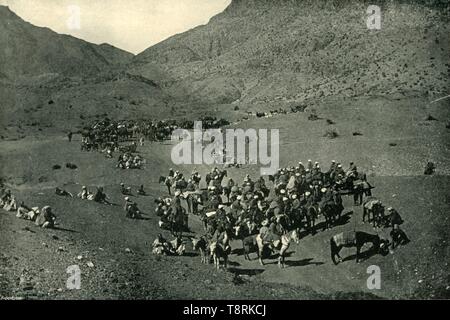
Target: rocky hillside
<point>295,50</point>
<point>29,51</point>
<point>49,80</point>
<point>255,54</point>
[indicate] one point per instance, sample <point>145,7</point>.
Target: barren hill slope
<point>256,54</point>
<point>268,51</point>
<point>49,80</point>
<point>32,51</point>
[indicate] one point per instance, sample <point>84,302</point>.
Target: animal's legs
<point>261,262</point>
<point>355,198</point>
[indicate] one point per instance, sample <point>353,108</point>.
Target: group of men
<point>98,196</point>
<point>253,207</point>
<point>130,207</point>
<point>163,247</point>
<point>43,217</point>
<point>129,161</point>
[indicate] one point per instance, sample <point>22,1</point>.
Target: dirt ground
<point>114,253</point>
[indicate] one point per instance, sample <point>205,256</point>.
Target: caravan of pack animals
<point>267,214</point>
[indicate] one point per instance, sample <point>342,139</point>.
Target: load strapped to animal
<point>373,207</point>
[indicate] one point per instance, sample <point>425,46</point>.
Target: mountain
<point>289,51</point>
<point>53,81</point>
<point>256,54</point>
<point>29,51</point>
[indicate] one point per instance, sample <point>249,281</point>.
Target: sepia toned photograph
<point>248,150</point>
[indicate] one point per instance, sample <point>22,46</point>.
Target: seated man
<point>10,205</point>
<point>161,246</point>
<point>125,190</point>
<point>6,197</point>
<point>100,196</point>
<point>121,164</point>
<point>46,218</point>
<point>393,218</point>
<point>23,210</point>
<point>177,246</point>
<point>398,236</point>
<point>129,164</point>
<point>141,191</point>
<point>84,194</point>
<point>131,209</point>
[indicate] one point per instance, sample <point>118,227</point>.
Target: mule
<point>373,206</point>
<point>218,252</point>
<point>352,239</point>
<point>332,213</point>
<point>201,245</point>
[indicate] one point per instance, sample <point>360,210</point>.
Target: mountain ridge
<point>254,55</point>
<point>309,46</point>
<point>33,51</point>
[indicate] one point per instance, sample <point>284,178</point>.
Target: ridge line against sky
<point>132,25</point>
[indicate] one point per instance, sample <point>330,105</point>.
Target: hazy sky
<point>132,25</point>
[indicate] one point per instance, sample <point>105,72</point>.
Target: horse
<point>178,221</point>
<point>328,213</point>
<point>217,251</point>
<point>332,213</point>
<point>311,215</point>
<point>283,244</point>
<point>357,183</point>
<point>248,237</point>
<point>201,244</point>
<point>351,239</point>
<point>361,189</point>
<point>297,217</point>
